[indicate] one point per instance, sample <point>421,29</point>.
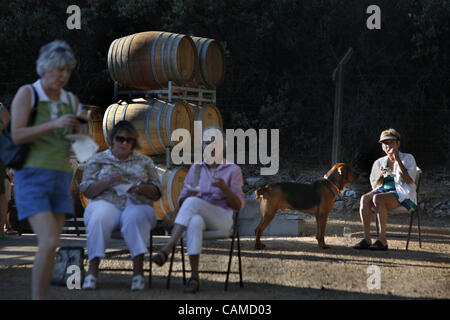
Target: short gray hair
<point>55,54</point>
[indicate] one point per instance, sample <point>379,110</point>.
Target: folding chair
<point>215,235</point>
<point>402,209</point>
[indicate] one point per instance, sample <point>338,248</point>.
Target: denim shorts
<point>39,190</point>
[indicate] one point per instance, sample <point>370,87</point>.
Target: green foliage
<point>280,56</point>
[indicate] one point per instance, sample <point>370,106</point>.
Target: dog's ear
<point>261,192</point>
<point>332,170</point>
<point>343,171</point>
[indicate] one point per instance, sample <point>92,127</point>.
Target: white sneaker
<point>137,283</point>
<point>90,282</point>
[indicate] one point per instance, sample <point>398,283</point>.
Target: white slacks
<point>102,218</point>
<point>197,215</point>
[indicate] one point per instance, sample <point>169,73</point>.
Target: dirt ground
<point>289,268</point>
<point>292,267</point>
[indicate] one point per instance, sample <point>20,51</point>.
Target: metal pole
<point>338,77</point>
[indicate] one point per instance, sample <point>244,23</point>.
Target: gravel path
<point>289,268</point>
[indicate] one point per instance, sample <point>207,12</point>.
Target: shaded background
<point>280,56</point>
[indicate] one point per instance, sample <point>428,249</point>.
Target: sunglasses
<point>121,139</point>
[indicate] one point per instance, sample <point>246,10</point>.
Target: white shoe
<point>90,282</point>
<point>137,283</point>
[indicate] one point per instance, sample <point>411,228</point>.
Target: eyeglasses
<point>121,139</point>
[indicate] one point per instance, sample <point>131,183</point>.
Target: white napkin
<point>195,189</point>
<point>122,189</point>
<point>83,146</point>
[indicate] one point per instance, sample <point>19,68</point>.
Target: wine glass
<point>347,233</point>
<point>83,116</point>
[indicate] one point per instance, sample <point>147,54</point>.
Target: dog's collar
<point>332,184</point>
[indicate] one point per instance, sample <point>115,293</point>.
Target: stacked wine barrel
<point>155,120</point>
<point>95,126</point>
<point>148,61</point>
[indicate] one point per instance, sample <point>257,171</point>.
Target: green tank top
<point>52,150</point>
<point>388,182</point>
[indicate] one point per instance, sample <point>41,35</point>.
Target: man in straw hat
<point>392,180</point>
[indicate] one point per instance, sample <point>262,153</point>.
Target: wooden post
<point>338,77</point>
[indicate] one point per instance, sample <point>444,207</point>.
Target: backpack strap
<point>32,117</point>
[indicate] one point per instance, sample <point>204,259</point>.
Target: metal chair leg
<point>234,236</point>
<point>418,226</point>
<point>241,283</point>
<point>170,268</point>
<point>150,267</point>
<point>229,262</point>
<point>76,224</point>
<point>378,227</point>
<point>409,231</point>
<point>182,260</point>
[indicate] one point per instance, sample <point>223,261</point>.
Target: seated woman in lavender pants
<point>212,207</point>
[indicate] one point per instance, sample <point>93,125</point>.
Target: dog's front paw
<point>259,246</point>
<point>324,246</point>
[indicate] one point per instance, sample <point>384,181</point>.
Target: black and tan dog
<point>316,198</point>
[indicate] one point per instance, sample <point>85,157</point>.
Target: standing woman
<point>4,119</point>
<point>42,186</point>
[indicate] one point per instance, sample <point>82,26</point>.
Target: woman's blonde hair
<point>389,134</point>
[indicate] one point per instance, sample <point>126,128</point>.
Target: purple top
<point>229,172</point>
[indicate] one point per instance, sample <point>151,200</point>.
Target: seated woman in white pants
<point>122,186</point>
<point>212,207</point>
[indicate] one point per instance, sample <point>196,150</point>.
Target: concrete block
<point>251,210</point>
<point>286,223</point>
<point>247,226</point>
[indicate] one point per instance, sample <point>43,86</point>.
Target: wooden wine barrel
<point>172,181</point>
<point>95,126</point>
<point>209,115</point>
<point>210,69</point>
<point>80,201</point>
<point>148,60</point>
<point>154,120</point>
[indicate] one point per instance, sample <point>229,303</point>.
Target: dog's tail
<point>261,192</point>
